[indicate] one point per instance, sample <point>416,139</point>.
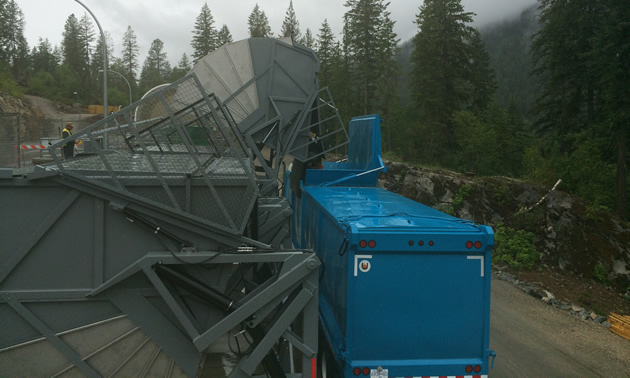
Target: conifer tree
<point>71,44</point>
<point>450,73</point>
<point>482,79</point>
<point>581,54</point>
<point>205,38</point>
<point>258,24</point>
<point>308,40</point>
<point>290,25</point>
<point>97,56</point>
<point>613,63</point>
<point>560,51</point>
<point>387,81</point>
<point>43,57</point>
<point>156,69</point>
<point>86,38</point>
<point>130,51</point>
<point>97,64</point>
<point>366,43</point>
<point>14,51</point>
<point>224,36</point>
<point>44,65</point>
<point>441,58</point>
<point>325,46</point>
<point>183,67</point>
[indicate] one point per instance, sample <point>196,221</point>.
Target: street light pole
<point>125,79</point>
<point>76,94</point>
<point>105,105</point>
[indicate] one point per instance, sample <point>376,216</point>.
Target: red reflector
<point>477,244</point>
<point>313,367</point>
<point>430,242</point>
<point>362,244</point>
<point>356,371</point>
<point>371,244</point>
<point>477,368</point>
<point>469,369</point>
<point>410,242</point>
<point>469,244</point>
<point>366,371</point>
<point>420,242</point>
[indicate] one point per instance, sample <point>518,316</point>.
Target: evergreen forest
<point>540,97</point>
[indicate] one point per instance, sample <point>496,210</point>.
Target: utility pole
<point>126,81</point>
<point>105,105</point>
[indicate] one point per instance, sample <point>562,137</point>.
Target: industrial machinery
<point>159,244</point>
<point>165,247</point>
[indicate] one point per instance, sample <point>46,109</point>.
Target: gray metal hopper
<point>269,87</point>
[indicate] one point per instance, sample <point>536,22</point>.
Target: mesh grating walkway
<point>176,149</point>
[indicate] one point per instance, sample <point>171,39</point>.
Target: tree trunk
<point>365,96</point>
<point>622,179</point>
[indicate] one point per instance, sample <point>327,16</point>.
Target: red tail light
<point>363,244</point>
<point>477,368</point>
<point>371,244</point>
<point>477,244</point>
<point>366,371</point>
<point>469,369</point>
<point>356,371</point>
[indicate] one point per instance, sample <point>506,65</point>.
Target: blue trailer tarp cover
<point>376,207</point>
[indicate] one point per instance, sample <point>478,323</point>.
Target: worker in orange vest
<point>68,148</point>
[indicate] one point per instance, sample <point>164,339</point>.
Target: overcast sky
<point>172,21</point>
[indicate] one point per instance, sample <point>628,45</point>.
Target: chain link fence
<point>24,142</point>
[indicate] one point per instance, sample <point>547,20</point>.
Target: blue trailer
<point>404,288</point>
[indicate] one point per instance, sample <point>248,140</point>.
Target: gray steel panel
<point>153,322</point>
<point>6,173</point>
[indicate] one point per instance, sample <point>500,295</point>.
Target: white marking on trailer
<point>356,263</point>
<point>480,258</point>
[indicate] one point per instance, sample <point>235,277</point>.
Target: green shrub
<point>502,195</point>
<point>461,194</point>
<point>600,274</point>
<point>515,248</point>
<point>463,191</point>
<point>596,213</point>
<point>8,85</point>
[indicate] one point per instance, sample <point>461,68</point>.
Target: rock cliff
<point>568,234</point>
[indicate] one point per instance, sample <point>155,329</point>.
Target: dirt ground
<point>45,108</point>
<point>586,293</point>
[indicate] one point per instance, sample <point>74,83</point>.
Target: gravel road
<point>533,339</point>
<point>49,110</point>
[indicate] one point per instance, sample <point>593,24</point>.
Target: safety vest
<point>65,130</point>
